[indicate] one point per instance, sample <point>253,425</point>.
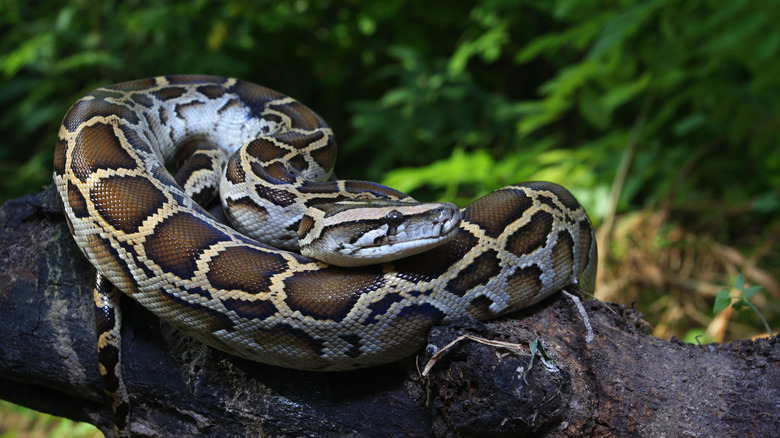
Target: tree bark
<point>624,383</point>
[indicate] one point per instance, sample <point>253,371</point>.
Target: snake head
<point>357,233</point>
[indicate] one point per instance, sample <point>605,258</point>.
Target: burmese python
<point>146,236</point>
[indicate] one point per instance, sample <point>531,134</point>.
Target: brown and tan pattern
<point>147,237</point>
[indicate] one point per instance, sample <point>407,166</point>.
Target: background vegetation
<point>662,116</point>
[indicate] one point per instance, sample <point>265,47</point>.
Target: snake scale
<point>147,237</point>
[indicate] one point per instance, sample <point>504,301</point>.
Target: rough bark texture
<point>624,383</point>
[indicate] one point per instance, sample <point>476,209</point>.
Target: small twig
<point>501,344</point>
<point>585,319</point>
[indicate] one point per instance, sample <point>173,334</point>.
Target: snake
<point>257,291</point>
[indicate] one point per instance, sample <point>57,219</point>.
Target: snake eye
<point>394,218</point>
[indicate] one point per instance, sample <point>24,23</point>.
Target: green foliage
<point>741,301</point>
<point>534,347</point>
<point>19,421</point>
<point>706,70</point>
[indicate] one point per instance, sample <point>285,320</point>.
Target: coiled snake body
<point>146,236</point>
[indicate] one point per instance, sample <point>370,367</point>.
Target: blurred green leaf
<point>30,52</point>
<point>624,92</point>
<point>722,300</point>
<point>488,45</point>
<point>767,203</point>
<point>739,283</point>
<point>750,291</point>
<point>624,24</point>
<point>690,123</point>
<point>593,109</point>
